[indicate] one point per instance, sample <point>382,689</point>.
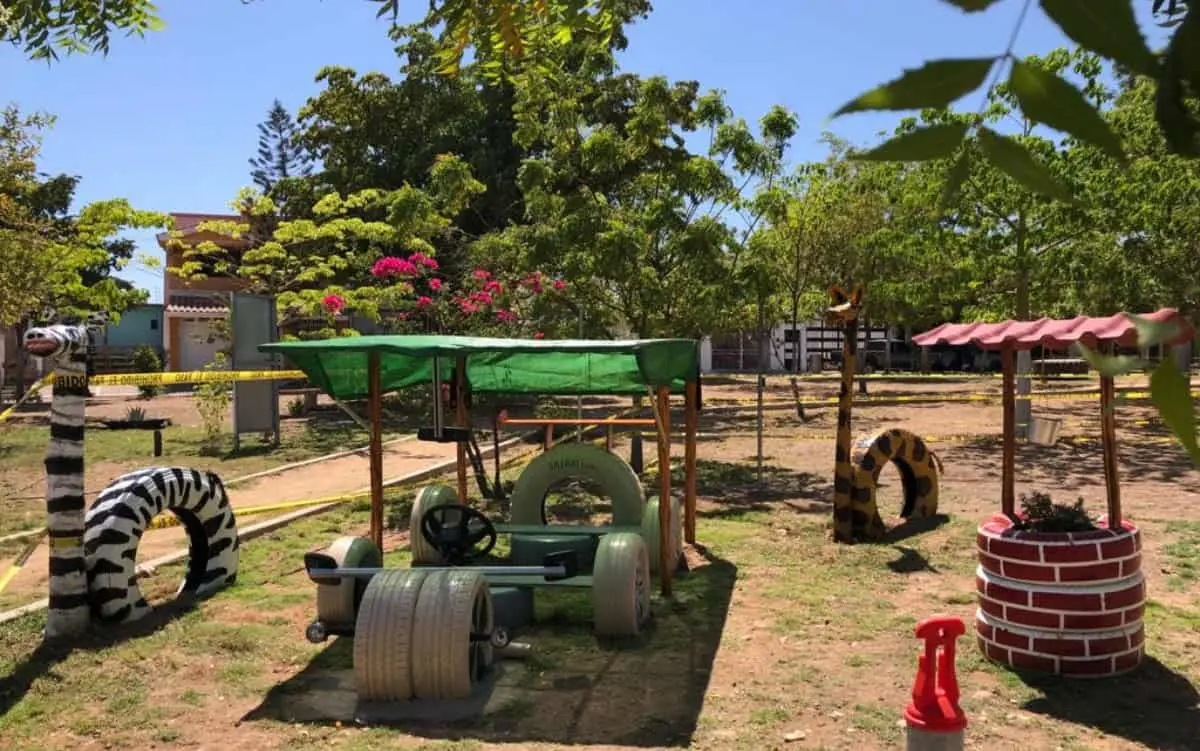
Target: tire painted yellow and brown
<point>919,470</point>
<point>855,514</point>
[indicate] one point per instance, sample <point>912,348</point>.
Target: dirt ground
<point>776,638</point>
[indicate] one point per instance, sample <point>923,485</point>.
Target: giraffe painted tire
<point>918,470</point>
<point>578,461</point>
<point>117,520</point>
<point>337,604</point>
<point>621,585</point>
<point>423,552</point>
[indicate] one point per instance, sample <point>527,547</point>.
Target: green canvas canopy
<point>542,366</point>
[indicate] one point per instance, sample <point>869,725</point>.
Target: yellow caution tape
<point>44,381</point>
<point>198,376</point>
<point>937,398</point>
<point>19,562</point>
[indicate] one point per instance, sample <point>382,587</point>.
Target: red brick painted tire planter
<point>1065,603</point>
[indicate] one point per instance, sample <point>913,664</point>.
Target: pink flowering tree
<point>414,296</point>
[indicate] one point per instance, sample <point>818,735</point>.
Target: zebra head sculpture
<point>58,340</point>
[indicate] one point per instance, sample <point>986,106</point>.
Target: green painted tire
<point>578,461</point>
<point>337,604</point>
<point>621,585</point>
<point>674,534</point>
<point>427,497</point>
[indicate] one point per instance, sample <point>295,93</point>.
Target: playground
<point>774,637</point>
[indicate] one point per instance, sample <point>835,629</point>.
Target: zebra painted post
<point>66,347</point>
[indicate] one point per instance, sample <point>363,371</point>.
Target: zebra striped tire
<point>621,585</point>
<point>383,635</point>
<point>337,604</point>
<point>650,530</point>
<point>452,606</point>
<point>120,516</point>
<point>427,497</point>
<point>578,461</point>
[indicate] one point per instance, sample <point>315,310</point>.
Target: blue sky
<point>169,121</point>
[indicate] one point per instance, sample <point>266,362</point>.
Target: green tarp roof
<point>538,366</point>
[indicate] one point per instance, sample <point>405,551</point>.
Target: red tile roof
<point>1048,332</point>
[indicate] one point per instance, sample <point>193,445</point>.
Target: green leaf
<point>1171,393</point>
<point>922,144</point>
<point>1106,27</point>
<point>1048,99</point>
<point>1110,365</point>
<point>1014,160</point>
<point>955,178</point>
<point>972,6</point>
<point>937,83</point>
<point>1151,332</point>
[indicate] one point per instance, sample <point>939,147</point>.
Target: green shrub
<point>146,360</point>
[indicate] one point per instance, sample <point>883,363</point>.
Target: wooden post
<point>608,438</point>
<point>375,448</point>
<point>1108,439</point>
<point>1008,471</point>
<point>462,418</point>
<point>664,488</point>
<point>548,438</point>
<point>691,420</point>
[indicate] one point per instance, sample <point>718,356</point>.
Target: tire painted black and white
<point>66,348</point>
<point>120,516</point>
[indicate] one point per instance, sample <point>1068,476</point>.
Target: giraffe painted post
<point>844,313</point>
<point>69,614</point>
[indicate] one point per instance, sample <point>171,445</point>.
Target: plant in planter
<point>135,418</point>
<point>1059,591</point>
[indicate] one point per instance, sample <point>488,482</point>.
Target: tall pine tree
<point>279,156</point>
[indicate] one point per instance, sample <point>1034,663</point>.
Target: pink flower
<point>429,263</point>
<point>484,298</point>
<point>559,284</point>
<point>481,274</point>
<point>538,335</point>
<point>467,307</point>
<point>387,266</point>
<point>505,316</point>
<point>493,286</point>
<point>333,303</point>
<point>435,284</point>
<point>424,301</point>
<point>534,282</point>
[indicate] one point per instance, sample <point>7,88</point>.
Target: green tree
<point>620,204</point>
<point>279,155</point>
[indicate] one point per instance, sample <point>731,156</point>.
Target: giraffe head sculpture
<point>845,307</point>
<point>63,340</point>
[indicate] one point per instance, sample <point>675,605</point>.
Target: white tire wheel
<point>621,585</point>
<point>427,497</point>
<point>674,534</point>
<point>383,635</point>
<point>452,605</point>
<point>337,604</point>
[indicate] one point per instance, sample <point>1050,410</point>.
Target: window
<point>154,324</point>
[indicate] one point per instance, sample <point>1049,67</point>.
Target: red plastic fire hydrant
<point>935,721</point>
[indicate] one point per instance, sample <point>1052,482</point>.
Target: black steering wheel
<point>456,531</point>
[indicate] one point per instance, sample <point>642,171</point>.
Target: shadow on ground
<point>1078,464</point>
<point>1154,706</point>
<point>574,690</point>
<point>731,489</point>
<point>16,683</point>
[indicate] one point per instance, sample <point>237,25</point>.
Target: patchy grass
<point>108,453</point>
<point>774,635</point>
